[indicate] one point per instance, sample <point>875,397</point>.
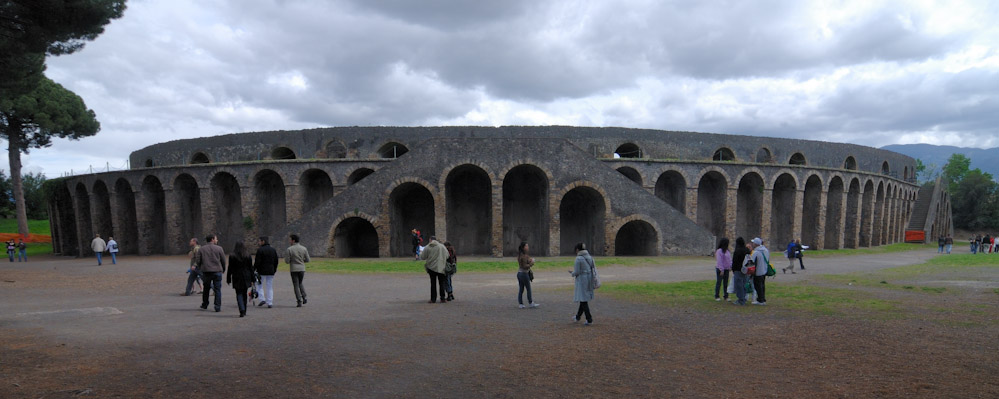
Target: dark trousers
<point>240,297</point>
<point>524,282</point>
<point>435,280</point>
<point>584,308</point>
<point>296,283</point>
<point>721,281</point>
<point>213,279</point>
<point>801,263</point>
<point>760,285</point>
<point>192,276</point>
<point>740,287</point>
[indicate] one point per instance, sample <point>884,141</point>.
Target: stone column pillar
<point>497,228</point>
<point>143,203</point>
<point>250,204</point>
<point>554,225</point>
<point>799,204</point>
<point>117,228</point>
<point>731,208</point>
<point>843,214</point>
<point>208,213</point>
<point>765,222</point>
<point>175,243</point>
<point>820,230</point>
<point>440,217</point>
<point>691,204</point>
<point>867,227</point>
<point>293,202</point>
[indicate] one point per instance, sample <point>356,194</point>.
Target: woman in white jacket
<point>582,270</point>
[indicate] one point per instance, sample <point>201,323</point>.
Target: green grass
<point>34,226</point>
<point>478,265</point>
<point>884,249</point>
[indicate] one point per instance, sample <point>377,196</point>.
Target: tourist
<point>949,243</point>
<point>211,259</point>
<point>723,265</point>
<point>986,246</point>
<point>799,252</point>
<point>296,258</point>
<point>582,271</point>
<point>113,250</point>
<point>265,264</point>
<point>436,256</point>
<point>417,242</point>
<point>760,258</point>
<point>940,244</point>
<point>738,258</point>
<point>240,274</point>
<point>524,274</point>
<point>450,269</point>
<point>10,250</point>
<point>22,250</point>
<point>971,242</point>
<point>97,245</point>
<point>193,271</point>
<point>978,244</point>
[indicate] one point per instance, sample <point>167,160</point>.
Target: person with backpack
<point>583,271</point>
<point>113,249</point>
<point>761,258</point>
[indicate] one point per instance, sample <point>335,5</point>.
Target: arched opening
<point>102,210</point>
<point>83,217</point>
<point>885,170</point>
<point>67,235</point>
<point>355,237</point>
<point>636,238</point>
<point>268,188</point>
<point>834,213</point>
<point>711,198</point>
<point>582,214</point>
<point>128,231</point>
<point>763,156</point>
<point>525,210</point>
<point>877,232</point>
<point>411,207</point>
<point>228,210</point>
<point>811,203</point>
<point>468,191</point>
<point>797,159</point>
<point>865,214</point>
<point>628,150</point>
<point>392,150</point>
<point>850,229</point>
<point>335,150</point>
<point>357,175</point>
<point>905,172</point>
<point>782,210</point>
<point>188,197</point>
<point>152,228</point>
<point>723,154</point>
<point>749,206</point>
<point>317,188</point>
<point>672,188</point>
<point>199,157</point>
<point>148,163</point>
<point>282,153</point>
<point>850,163</point>
<point>631,174</point>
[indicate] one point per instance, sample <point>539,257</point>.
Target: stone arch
<point>628,150</point>
<point>671,187</point>
<point>885,168</point>
<point>411,206</point>
<point>850,163</point>
<point>282,153</point>
<point>102,210</point>
<point>797,159</point>
<point>636,238</point>
<point>582,216</point>
<point>723,154</point>
<point>782,209</point>
<point>749,206</point>
<point>153,230</point>
<point>878,233</point>
<point>187,193</point>
<point>763,155</point>
<point>269,191</point>
<point>358,174</point>
<point>354,237</point>
<point>525,209</point>
<point>866,214</point>
<point>834,212</point>
<point>229,225</point>
<point>83,219</point>
<point>335,149</point>
<point>468,200</point>
<point>392,150</point>
<point>712,195</point>
<point>811,204</point>
<point>199,157</point>
<point>125,210</point>
<point>852,207</point>
<point>631,174</point>
<point>317,188</point>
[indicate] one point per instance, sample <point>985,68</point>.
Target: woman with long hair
<point>723,265</point>
<point>240,274</point>
<point>583,270</point>
<point>525,263</point>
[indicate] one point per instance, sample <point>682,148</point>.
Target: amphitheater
<point>358,191</point>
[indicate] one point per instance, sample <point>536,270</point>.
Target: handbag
<point>450,268</point>
<point>594,277</point>
<point>530,275</point>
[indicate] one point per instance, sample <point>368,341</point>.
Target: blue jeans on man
<point>22,254</point>
<point>192,276</point>
<point>98,258</point>
<point>114,258</point>
<point>949,246</point>
<point>213,279</point>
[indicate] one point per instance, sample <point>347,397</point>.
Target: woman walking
<point>582,270</point>
<point>450,269</point>
<point>526,262</point>
<point>723,265</point>
<point>240,274</point>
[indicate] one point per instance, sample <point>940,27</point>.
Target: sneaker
<point>534,305</point>
<point>575,319</point>
<point>586,323</point>
<point>736,303</point>
<point>717,299</point>
<point>759,303</point>
<point>262,303</point>
<point>521,306</point>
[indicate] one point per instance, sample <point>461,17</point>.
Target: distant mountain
<point>987,160</point>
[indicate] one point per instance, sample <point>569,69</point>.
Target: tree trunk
<point>14,155</point>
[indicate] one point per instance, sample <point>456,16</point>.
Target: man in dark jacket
<point>211,259</point>
<point>265,264</point>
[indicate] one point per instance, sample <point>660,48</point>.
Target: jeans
<point>22,254</point>
<point>584,308</point>
<point>721,280</point>
<point>450,288</point>
<point>114,258</point>
<point>296,283</point>
<point>740,286</point>
<point>949,246</point>
<point>240,298</point>
<point>435,280</point>
<point>974,248</point>
<point>98,258</point>
<point>760,285</point>
<point>940,248</point>
<point>192,276</point>
<point>10,254</point>
<point>524,281</point>
<point>266,286</point>
<point>213,279</point>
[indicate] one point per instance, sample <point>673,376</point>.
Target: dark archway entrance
<point>268,188</point>
<point>865,214</point>
<point>102,211</point>
<point>317,188</point>
<point>834,211</point>
<point>712,192</point>
<point>228,210</point>
<point>153,229</point>
<point>355,237</point>
<point>672,188</point>
<point>188,196</point>
<point>749,206</point>
<point>879,217</point>
<point>636,238</point>
<point>850,238</point>
<point>83,217</point>
<point>811,203</point>
<point>525,210</point>
<point>582,214</point>
<point>128,230</point>
<point>469,196</point>
<point>412,207</point>
<point>67,235</point>
<point>782,211</point>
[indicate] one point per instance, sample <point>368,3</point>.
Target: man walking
<point>113,249</point>
<point>194,272</point>
<point>296,258</point>
<point>211,259</point>
<point>949,243</point>
<point>98,246</point>
<point>265,264</point>
<point>436,256</point>
<point>22,250</point>
<point>760,256</point>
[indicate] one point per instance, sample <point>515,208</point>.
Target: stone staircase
<point>918,219</point>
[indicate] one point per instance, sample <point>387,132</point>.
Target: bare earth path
<point>69,328</point>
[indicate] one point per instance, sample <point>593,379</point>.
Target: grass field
<point>35,227</point>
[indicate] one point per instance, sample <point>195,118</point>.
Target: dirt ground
<point>69,328</point>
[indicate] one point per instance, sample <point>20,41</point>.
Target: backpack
<point>770,268</point>
<point>594,277</point>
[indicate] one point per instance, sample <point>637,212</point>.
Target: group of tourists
<point>20,249</point>
<point>946,243</point>
<point>794,251</point>
<point>245,272</point>
<point>980,244</point>
<point>747,263</point>
<point>99,246</point>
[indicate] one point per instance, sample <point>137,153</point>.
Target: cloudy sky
<point>865,72</point>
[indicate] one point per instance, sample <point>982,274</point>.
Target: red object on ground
<point>915,236</point>
<point>31,237</point>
